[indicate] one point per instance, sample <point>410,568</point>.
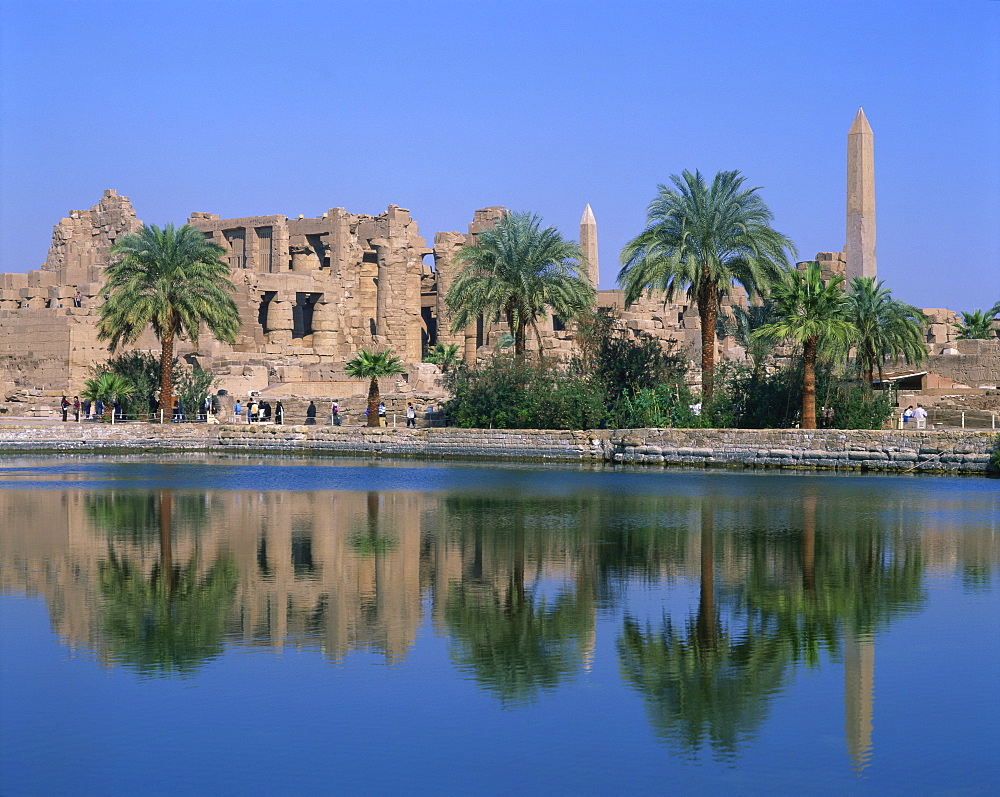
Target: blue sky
<point>246,108</point>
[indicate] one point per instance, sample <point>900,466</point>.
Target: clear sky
<point>250,108</point>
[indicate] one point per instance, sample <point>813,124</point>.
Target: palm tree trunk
<point>519,334</point>
<point>373,399</point>
<point>166,501</point>
<point>706,624</point>
<point>809,544</point>
<point>870,367</point>
<point>166,363</point>
<point>708,311</point>
<point>809,384</point>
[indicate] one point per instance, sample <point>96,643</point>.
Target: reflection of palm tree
<point>852,582</point>
<point>704,684</point>
<point>172,620</point>
<point>513,642</point>
<point>134,516</point>
<point>371,541</point>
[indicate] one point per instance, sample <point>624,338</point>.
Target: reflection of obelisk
<point>859,677</point>
<point>588,244</point>
<point>860,249</point>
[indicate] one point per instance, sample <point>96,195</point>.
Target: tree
<point>444,356</point>
<point>814,313</point>
<point>741,325</point>
<point>976,325</point>
<point>374,366</point>
<point>886,328</point>
<point>703,239</point>
<point>142,370</point>
<point>106,388</point>
<point>172,280</point>
<point>517,271</point>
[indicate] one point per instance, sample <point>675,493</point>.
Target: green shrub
<point>508,393</point>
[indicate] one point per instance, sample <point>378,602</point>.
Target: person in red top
<point>76,408</point>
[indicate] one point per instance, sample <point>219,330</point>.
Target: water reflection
<point>513,639</point>
<point>162,616</point>
<point>804,575</point>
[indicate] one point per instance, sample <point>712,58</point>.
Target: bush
<point>774,401</point>
<point>507,393</point>
<point>142,370</point>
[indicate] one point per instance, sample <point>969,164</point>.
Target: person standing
<point>311,414</point>
<point>827,417</point>
<point>411,415</point>
<point>335,413</point>
<point>381,415</point>
<point>86,409</point>
<point>78,300</point>
<point>279,413</point>
<point>253,413</point>
<point>64,406</point>
<point>238,411</point>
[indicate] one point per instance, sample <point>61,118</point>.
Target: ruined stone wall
<point>312,291</point>
<point>81,242</point>
<point>976,363</point>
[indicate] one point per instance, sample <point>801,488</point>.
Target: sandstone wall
<point>887,451</point>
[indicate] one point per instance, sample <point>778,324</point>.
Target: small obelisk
<point>588,244</point>
<point>860,249</point>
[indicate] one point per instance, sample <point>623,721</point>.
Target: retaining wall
<point>886,450</point>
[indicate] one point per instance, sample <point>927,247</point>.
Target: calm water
<point>257,626</point>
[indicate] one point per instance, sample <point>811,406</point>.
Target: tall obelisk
<point>588,244</point>
<point>860,249</point>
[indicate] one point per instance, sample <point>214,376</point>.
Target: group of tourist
<point>919,415</point>
<point>259,411</point>
<point>90,410</point>
<point>256,411</point>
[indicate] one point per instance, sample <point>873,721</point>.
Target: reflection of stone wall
<point>308,572</point>
<point>345,571</point>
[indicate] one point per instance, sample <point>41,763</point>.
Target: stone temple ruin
<point>312,292</point>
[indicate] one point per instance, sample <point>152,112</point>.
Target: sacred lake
<point>211,624</point>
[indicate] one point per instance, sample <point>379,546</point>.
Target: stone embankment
<point>827,449</point>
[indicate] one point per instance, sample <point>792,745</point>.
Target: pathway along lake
<point>210,625</point>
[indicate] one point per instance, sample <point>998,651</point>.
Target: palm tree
<point>976,325</point>
<point>172,280</point>
<point>444,356</point>
<point>373,365</point>
<point>813,313</point>
<point>887,328</point>
<point>703,239</point>
<point>741,325</point>
<point>107,387</point>
<point>518,271</point>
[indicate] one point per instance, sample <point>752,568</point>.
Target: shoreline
<point>887,451</point>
